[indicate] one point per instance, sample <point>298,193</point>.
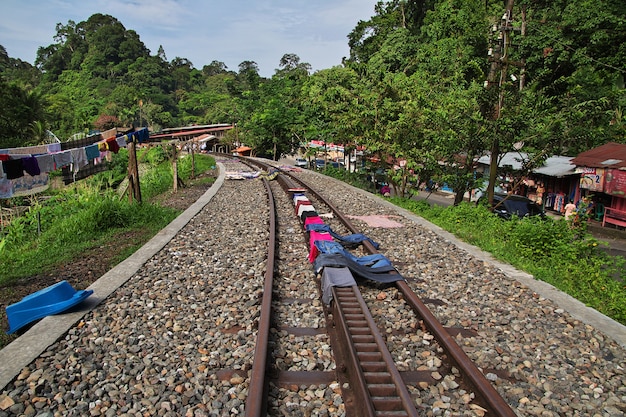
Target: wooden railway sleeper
<point>376,381</point>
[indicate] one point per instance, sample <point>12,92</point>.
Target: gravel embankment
<point>555,364</point>
<point>178,337</point>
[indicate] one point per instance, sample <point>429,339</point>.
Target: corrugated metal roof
<point>554,166</point>
<point>199,131</point>
<point>512,159</point>
<point>557,166</point>
<point>171,130</point>
<point>204,138</point>
<point>610,155</point>
<point>190,132</point>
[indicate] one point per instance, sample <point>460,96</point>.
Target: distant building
<point>198,133</point>
<point>550,185</point>
<point>602,173</point>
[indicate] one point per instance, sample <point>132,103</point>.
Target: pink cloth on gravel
<point>312,220</point>
<point>314,236</point>
<point>378,221</point>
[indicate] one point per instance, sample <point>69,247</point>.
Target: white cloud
<point>201,31</point>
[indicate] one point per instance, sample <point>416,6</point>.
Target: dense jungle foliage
<point>426,81</point>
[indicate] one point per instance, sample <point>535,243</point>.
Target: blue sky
<point>230,31</point>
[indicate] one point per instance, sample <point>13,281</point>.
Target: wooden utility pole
<point>522,78</point>
<point>499,63</point>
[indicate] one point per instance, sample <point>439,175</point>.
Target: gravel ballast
<point>177,337</point>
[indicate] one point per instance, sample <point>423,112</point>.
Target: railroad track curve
<point>173,330</point>
<point>373,385</point>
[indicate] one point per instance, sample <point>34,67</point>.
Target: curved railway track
<point>371,384</point>
<point>174,329</point>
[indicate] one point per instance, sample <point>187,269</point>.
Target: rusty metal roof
<point>610,155</point>
<point>187,132</point>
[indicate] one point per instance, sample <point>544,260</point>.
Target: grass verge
<point>87,229</point>
<point>550,250</point>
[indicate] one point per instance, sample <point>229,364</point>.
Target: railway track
<point>174,329</point>
<point>365,373</point>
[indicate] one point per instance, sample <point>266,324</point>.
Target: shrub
<point>548,249</point>
<point>83,215</point>
<point>356,179</point>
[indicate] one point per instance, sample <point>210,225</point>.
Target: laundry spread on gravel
<point>378,221</point>
<point>330,255</point>
<point>248,175</point>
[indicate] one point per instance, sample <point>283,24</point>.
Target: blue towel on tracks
<point>382,274</point>
<point>371,261</point>
<point>353,239</point>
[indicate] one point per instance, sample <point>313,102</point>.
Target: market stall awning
<point>204,138</point>
<point>243,149</point>
<point>557,166</point>
<point>553,166</point>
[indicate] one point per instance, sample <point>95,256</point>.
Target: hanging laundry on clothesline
<point>29,185</point>
<point>24,170</point>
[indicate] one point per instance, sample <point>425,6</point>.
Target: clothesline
<point>25,169</point>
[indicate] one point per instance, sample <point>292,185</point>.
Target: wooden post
<point>175,167</point>
<point>133,172</point>
<point>130,189</point>
<point>193,161</point>
<point>131,167</point>
<point>136,179</point>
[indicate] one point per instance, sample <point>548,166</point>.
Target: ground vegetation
<point>78,233</point>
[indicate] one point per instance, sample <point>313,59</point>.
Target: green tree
<point>458,135</point>
<point>248,78</point>
<point>273,126</point>
<point>368,36</point>
<point>575,57</point>
<point>21,110</point>
<point>214,68</point>
<point>112,48</point>
<point>67,53</point>
<point>17,71</point>
<point>423,82</point>
<point>334,105</point>
<point>209,102</point>
<point>75,103</point>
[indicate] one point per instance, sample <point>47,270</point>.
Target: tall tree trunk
<point>458,197</point>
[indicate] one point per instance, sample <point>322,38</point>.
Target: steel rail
<point>487,395</point>
<point>377,385</point>
<point>376,381</point>
<point>256,401</point>
<point>491,399</point>
<point>381,391</point>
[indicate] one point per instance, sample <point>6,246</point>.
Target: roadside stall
<point>603,179</point>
